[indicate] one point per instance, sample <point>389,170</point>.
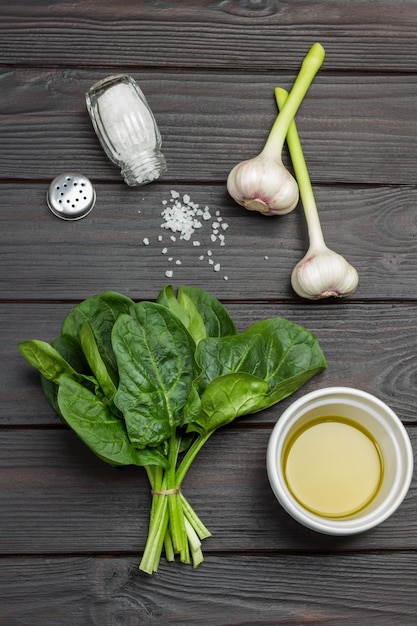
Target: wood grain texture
<point>278,589</point>
<point>234,34</point>
<point>354,128</point>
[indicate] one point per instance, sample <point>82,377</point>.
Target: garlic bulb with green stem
<point>263,183</point>
<point>321,272</point>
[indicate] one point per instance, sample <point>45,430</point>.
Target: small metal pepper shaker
<point>126,128</point>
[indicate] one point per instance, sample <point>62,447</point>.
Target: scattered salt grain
<point>169,273</point>
<point>146,241</point>
<point>217,267</point>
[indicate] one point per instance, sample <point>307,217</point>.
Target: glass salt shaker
<point>126,128</point>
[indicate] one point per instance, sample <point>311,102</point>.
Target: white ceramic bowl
<point>386,428</point>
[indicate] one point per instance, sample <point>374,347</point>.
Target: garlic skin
<point>263,184</point>
<point>324,274</point>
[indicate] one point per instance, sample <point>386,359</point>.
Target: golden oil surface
<point>333,466</point>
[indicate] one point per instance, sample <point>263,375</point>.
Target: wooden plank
<point>105,591</point>
<point>229,33</point>
<point>356,129</point>
<point>287,589</point>
<point>55,494</point>
<point>43,257</point>
<point>369,347</point>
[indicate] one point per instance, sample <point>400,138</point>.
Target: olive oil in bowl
<point>333,466</point>
<point>339,460</point>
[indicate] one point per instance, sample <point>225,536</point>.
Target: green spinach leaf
<point>228,397</point>
<point>215,316</point>
<point>70,350</point>
<point>273,350</point>
<point>99,429</point>
<point>51,364</point>
<point>100,312</point>
<point>168,298</point>
<point>200,312</point>
<point>95,361</point>
<point>155,358</point>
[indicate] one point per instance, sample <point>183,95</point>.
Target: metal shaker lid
<point>71,196</point>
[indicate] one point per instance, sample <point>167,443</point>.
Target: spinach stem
<point>193,518</point>
<point>157,530</point>
<point>176,516</point>
<point>190,456</point>
<point>168,547</point>
<point>195,545</point>
<point>172,513</point>
<point>185,556</point>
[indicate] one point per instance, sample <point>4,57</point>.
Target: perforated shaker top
<point>71,196</point>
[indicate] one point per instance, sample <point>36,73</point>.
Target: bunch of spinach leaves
<point>148,383</point>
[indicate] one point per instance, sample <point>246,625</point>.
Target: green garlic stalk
<point>321,272</point>
<point>263,183</point>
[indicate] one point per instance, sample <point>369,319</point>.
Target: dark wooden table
<point>72,529</point>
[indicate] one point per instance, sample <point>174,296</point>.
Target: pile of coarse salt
<point>184,218</point>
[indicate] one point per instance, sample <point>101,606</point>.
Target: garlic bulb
<point>263,183</point>
<point>321,273</point>
<point>324,274</point>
